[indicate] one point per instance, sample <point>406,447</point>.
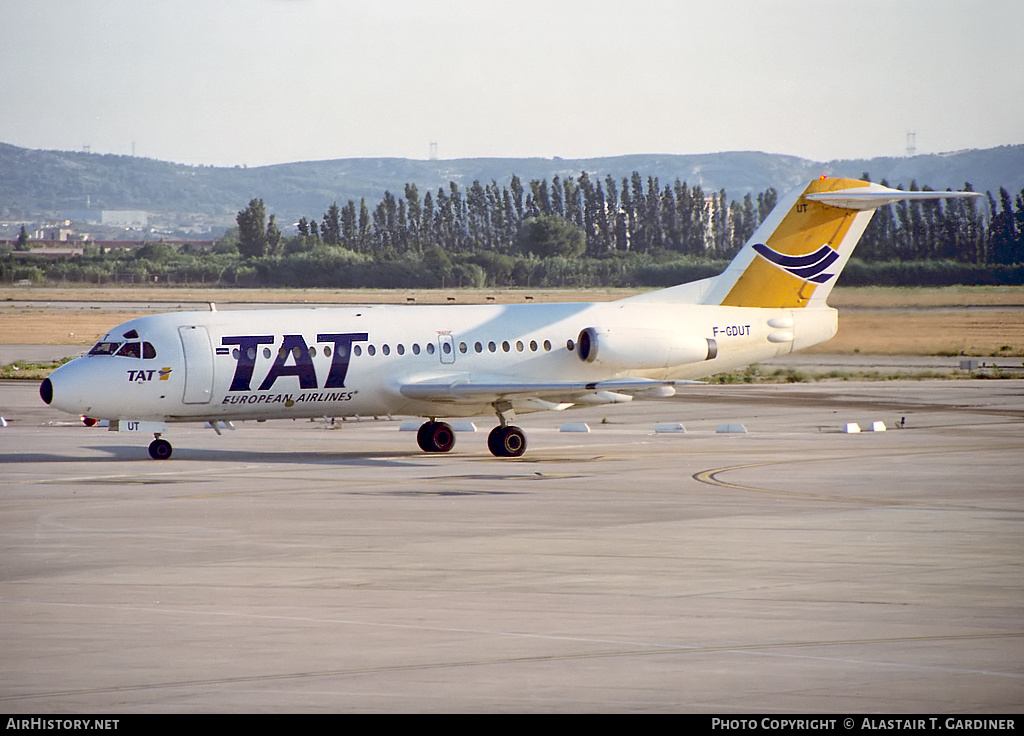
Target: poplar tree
<point>252,234</point>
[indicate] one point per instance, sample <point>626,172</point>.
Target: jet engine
<point>641,347</point>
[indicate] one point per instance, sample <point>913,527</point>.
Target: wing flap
<point>467,390</point>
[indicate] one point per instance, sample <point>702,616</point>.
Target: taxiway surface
<point>290,566</point>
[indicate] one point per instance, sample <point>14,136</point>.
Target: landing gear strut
<point>435,437</point>
<point>506,440</point>
<point>160,449</point>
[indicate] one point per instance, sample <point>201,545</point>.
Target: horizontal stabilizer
<point>875,195</point>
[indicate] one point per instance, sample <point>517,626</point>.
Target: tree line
<point>577,231</point>
<point>587,217</point>
<point>575,216</point>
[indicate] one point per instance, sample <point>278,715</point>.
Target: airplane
<point>449,361</point>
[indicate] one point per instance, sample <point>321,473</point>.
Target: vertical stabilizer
<point>795,257</point>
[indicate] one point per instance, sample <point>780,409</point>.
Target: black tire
<point>160,449</point>
<point>435,437</point>
<point>506,442</point>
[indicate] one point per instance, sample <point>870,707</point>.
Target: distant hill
<point>36,183</point>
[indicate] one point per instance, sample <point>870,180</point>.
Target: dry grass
<point>889,297</point>
<point>872,320</point>
<point>941,332</point>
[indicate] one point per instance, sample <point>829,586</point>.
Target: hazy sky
<point>254,82</point>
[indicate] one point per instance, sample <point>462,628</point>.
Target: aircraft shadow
<point>184,455</point>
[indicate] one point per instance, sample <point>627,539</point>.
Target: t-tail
<point>793,259</point>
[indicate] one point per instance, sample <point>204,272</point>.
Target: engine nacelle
<point>641,347</point>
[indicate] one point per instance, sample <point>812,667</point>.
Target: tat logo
<point>143,376</point>
<point>293,359</point>
<point>810,267</point>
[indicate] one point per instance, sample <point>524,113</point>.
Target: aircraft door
<point>195,342</point>
<point>446,348</point>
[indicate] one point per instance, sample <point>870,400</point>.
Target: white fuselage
<point>231,365</point>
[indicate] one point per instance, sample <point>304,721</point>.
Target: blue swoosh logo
<point>809,267</point>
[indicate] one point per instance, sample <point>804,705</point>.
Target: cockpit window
<point>105,348</point>
<point>132,349</point>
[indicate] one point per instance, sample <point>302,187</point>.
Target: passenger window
<point>400,349</point>
<point>463,348</point>
<point>505,346</point>
<point>415,348</point>
<point>492,347</point>
<point>358,350</point>
<point>478,347</point>
<point>533,346</point>
<point>386,349</point>
<point>519,346</point>
<point>547,344</point>
<point>371,350</point>
<point>430,348</point>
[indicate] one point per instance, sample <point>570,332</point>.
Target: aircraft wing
<point>465,389</point>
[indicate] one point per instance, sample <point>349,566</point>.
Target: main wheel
<point>435,437</point>
<point>506,441</point>
<point>160,449</point>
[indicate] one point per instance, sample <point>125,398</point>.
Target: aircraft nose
<point>67,388</point>
<point>46,391</point>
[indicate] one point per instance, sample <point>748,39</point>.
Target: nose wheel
<point>506,441</point>
<point>160,449</point>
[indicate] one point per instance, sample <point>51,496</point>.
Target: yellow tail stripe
<point>804,229</point>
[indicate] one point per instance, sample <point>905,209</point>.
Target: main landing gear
<point>503,441</point>
<point>506,441</point>
<point>435,437</point>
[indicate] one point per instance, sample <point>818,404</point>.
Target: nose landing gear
<point>160,449</point>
